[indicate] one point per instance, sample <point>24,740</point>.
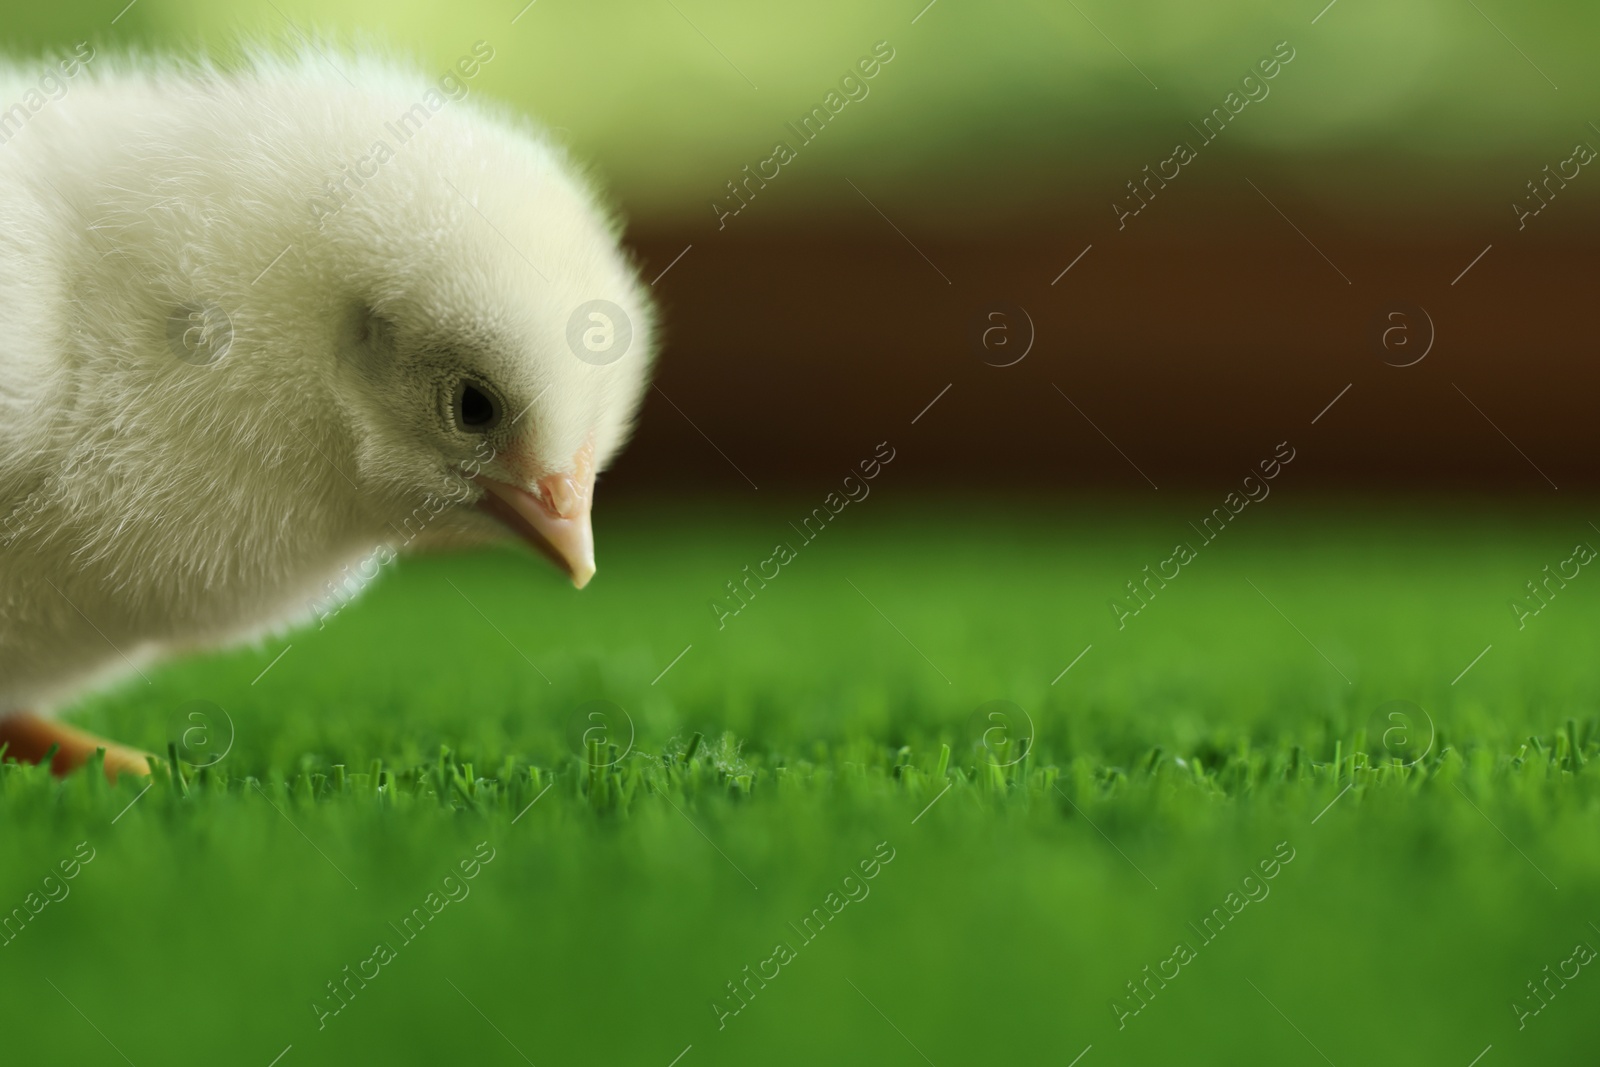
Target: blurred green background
<point>1169,761</point>
<point>669,100</point>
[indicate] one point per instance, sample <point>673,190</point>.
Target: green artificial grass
<point>481,818</point>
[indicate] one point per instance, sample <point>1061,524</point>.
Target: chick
<point>262,327</point>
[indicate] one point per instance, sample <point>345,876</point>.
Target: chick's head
<point>492,344</point>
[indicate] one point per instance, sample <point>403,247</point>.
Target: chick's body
<point>255,325</point>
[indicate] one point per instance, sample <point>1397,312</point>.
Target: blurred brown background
<point>1207,330</point>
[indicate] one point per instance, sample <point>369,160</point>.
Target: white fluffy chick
<point>261,327</point>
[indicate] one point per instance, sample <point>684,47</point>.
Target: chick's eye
<point>476,410</point>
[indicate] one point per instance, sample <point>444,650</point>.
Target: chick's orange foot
<point>27,738</point>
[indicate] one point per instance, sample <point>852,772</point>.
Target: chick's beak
<point>553,517</point>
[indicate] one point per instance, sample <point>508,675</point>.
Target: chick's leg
<point>27,738</point>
